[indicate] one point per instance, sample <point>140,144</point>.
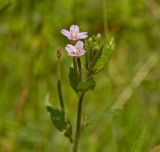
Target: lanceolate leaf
<point>73,78</point>
<point>98,55</point>
<point>88,84</point>
<point>106,54</point>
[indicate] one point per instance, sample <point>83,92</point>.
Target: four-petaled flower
<point>76,50</point>
<point>74,33</point>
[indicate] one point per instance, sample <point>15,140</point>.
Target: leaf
<point>106,54</point>
<point>86,55</point>
<point>57,118</point>
<point>140,142</point>
<point>73,79</point>
<point>97,56</point>
<point>60,122</point>
<point>88,84</point>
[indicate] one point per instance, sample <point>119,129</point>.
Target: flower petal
<point>71,54</point>
<point>82,52</point>
<point>76,50</point>
<point>79,45</point>
<point>72,38</point>
<point>82,35</point>
<point>70,49</point>
<point>65,32</point>
<point>71,46</point>
<point>74,29</point>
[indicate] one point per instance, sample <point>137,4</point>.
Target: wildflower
<point>76,50</point>
<point>74,33</point>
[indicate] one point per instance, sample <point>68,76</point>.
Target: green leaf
<point>57,118</point>
<point>73,78</point>
<point>88,84</point>
<point>60,122</point>
<point>106,54</point>
<point>97,56</point>
<point>86,59</point>
<point>140,142</point>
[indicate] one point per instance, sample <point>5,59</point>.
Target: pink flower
<point>76,50</point>
<point>74,33</point>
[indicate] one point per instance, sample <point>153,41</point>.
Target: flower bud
<point>59,53</point>
<point>96,47</point>
<point>98,36</point>
<point>90,40</point>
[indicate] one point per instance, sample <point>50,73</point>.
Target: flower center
<point>74,35</point>
<point>76,51</point>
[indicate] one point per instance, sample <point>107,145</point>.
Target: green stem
<point>60,96</point>
<point>59,81</point>
<point>80,68</point>
<point>77,64</point>
<point>78,126</point>
<point>75,68</point>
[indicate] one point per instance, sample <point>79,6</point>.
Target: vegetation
<point>130,84</point>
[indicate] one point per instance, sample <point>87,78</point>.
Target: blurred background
<point>29,37</point>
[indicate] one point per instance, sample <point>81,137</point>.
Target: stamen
<point>76,51</point>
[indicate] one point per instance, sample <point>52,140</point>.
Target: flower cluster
<point>74,35</point>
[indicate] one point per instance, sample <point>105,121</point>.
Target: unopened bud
<point>96,47</point>
<point>95,44</point>
<point>59,53</point>
<point>90,40</point>
<point>98,36</point>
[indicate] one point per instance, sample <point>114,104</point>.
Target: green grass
<point>29,37</point>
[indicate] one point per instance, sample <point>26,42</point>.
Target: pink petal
<point>65,32</point>
<point>72,38</point>
<point>74,29</point>
<point>72,54</point>
<point>72,50</point>
<point>82,52</point>
<point>82,35</point>
<point>69,48</point>
<point>79,45</point>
